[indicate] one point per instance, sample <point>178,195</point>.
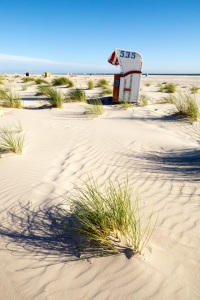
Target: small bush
<point>194,89</point>
<point>90,85</point>
<point>76,95</point>
<point>54,97</point>
<point>106,222</point>
<point>10,100</point>
<point>102,83</point>
<point>148,84</point>
<point>95,108</point>
<point>62,81</point>
<point>144,99</point>
<point>11,141</point>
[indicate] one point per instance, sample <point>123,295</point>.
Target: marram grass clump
<point>187,106</point>
<point>103,83</point>
<point>124,104</point>
<point>9,99</point>
<point>11,140</point>
<point>95,108</point>
<point>106,222</point>
<point>60,81</point>
<point>76,94</point>
<point>90,84</point>
<point>144,100</point>
<point>54,97</point>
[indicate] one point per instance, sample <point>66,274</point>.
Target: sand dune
<point>160,154</point>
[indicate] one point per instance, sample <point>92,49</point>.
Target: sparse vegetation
<point>106,221</point>
<point>161,87</point>
<point>24,87</point>
<point>62,81</point>
<point>125,104</point>
<point>76,95</point>
<point>171,99</point>
<point>144,99</point>
<point>28,79</point>
<point>90,85</point>
<point>103,83</point>
<point>40,81</point>
<point>187,106</point>
<point>95,107</point>
<point>11,141</point>
<point>10,99</point>
<point>194,89</point>
<point>106,90</point>
<point>54,97</point>
<point>170,88</point>
<point>148,84</point>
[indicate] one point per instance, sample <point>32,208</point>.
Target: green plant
<point>95,107</point>
<point>24,87</point>
<point>76,95</point>
<point>102,83</point>
<point>90,84</point>
<point>1,82</point>
<point>148,84</point>
<point>18,126</point>
<point>10,100</point>
<point>161,88</point>
<point>187,106</point>
<point>106,221</point>
<point>125,104</point>
<point>144,100</point>
<point>170,88</point>
<point>106,91</point>
<point>171,99</point>
<point>62,81</point>
<point>54,97</point>
<point>11,141</point>
<point>40,81</point>
<point>28,79</point>
<point>194,89</point>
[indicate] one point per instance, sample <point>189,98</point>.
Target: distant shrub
<point>76,95</point>
<point>102,83</point>
<point>90,84</point>
<point>62,81</point>
<point>148,84</point>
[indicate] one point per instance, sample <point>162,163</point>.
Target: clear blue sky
<point>64,36</point>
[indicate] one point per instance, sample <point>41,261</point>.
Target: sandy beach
<point>160,154</point>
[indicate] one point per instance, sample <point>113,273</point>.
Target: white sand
<point>161,156</point>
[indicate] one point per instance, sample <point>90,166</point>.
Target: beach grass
<point>9,99</point>
<point>187,106</point>
<point>144,99</point>
<point>76,94</point>
<point>103,83</point>
<point>24,87</point>
<point>95,108</point>
<point>194,89</point>
<point>28,79</point>
<point>40,81</point>
<point>11,141</point>
<point>106,220</point>
<point>170,88</point>
<point>124,104</point>
<point>60,81</point>
<point>90,84</point>
<point>106,90</point>
<point>169,99</point>
<point>54,97</point>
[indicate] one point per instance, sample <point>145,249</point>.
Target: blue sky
<point>62,36</point>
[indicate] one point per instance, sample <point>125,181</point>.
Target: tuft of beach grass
<point>95,108</point>
<point>60,81</point>
<point>11,141</point>
<point>54,97</point>
<point>106,220</point>
<point>76,94</point>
